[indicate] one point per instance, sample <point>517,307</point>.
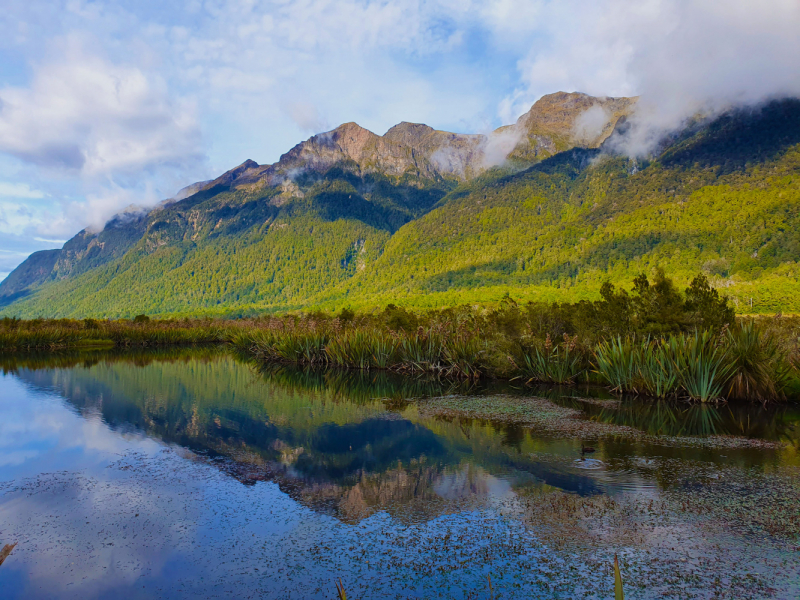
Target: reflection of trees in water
<point>361,386</point>
<point>324,437</point>
<point>675,418</point>
<point>89,357</point>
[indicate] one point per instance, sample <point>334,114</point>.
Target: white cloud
<point>681,57</point>
<point>84,114</point>
<point>108,108</point>
<point>19,190</point>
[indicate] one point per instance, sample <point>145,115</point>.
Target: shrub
<point>759,368</point>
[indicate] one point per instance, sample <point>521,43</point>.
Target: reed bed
<point>746,361</point>
<point>742,362</point>
<point>60,334</point>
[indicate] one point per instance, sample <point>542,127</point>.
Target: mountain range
<point>544,209</point>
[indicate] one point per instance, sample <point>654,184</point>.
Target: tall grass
<point>749,361</point>
<point>548,363</point>
<point>700,364</point>
<point>617,362</point>
<point>760,368</point>
<point>692,366</point>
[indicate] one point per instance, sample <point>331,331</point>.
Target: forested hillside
<point>724,200</point>
<point>353,219</point>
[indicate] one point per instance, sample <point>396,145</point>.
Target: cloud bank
<point>683,58</point>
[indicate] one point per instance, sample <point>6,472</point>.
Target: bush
<point>759,369</point>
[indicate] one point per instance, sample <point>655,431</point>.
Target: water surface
<point>196,474</point>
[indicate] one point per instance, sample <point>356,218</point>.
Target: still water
<point>196,474</point>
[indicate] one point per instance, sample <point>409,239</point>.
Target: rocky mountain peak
<point>574,118</point>
<point>408,133</point>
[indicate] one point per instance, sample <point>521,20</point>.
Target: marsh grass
<point>560,364</point>
<point>616,362</point>
<point>748,361</point>
<point>702,366</point>
<point>760,368</point>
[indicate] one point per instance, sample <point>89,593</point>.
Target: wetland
<point>199,472</point>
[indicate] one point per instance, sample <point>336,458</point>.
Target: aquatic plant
<point>759,368</point>
<point>700,363</point>
<point>422,351</point>
<point>303,347</point>
<point>340,593</point>
<point>360,349</point>
<point>655,369</point>
<point>619,593</point>
<point>6,552</point>
<point>548,363</point>
<point>463,355</point>
<point>616,361</point>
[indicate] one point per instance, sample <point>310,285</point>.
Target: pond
<point>198,474</point>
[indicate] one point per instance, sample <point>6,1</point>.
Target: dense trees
<point>723,199</point>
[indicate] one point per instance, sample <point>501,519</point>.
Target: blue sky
<point>110,103</point>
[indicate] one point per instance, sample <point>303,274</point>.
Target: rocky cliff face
<point>561,121</point>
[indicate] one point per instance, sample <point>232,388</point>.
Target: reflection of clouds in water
<point>470,482</point>
<point>38,429</point>
<point>15,457</point>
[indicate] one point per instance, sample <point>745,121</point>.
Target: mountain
<point>541,209</point>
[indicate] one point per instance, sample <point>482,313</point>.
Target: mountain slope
<point>418,216</point>
<point>724,199</point>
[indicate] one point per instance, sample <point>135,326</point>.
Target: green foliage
<point>759,367</point>
<point>723,200</point>
<point>701,366</point>
<point>751,361</point>
<point>548,363</point>
<point>616,361</point>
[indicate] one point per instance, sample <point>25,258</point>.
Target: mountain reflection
<point>347,443</point>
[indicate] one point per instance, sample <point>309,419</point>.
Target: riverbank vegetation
<point>654,340</point>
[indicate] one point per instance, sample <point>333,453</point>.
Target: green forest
<point>722,199</point>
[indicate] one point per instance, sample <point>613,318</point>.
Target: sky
<point>105,104</point>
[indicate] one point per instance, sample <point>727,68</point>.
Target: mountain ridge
<point>350,217</point>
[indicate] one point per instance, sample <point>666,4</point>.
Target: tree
<point>704,306</point>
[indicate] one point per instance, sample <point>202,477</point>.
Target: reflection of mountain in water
<point>343,456</point>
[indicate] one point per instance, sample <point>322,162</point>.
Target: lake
<point>199,474</point>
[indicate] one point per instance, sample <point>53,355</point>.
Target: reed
<point>700,363</point>
<point>560,363</point>
<point>302,348</point>
<point>616,362</point>
<point>759,367</point>
<point>423,351</point>
<point>463,355</point>
<point>749,361</point>
<point>360,349</point>
<point>656,374</point>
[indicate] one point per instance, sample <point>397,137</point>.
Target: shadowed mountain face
<point>428,218</point>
